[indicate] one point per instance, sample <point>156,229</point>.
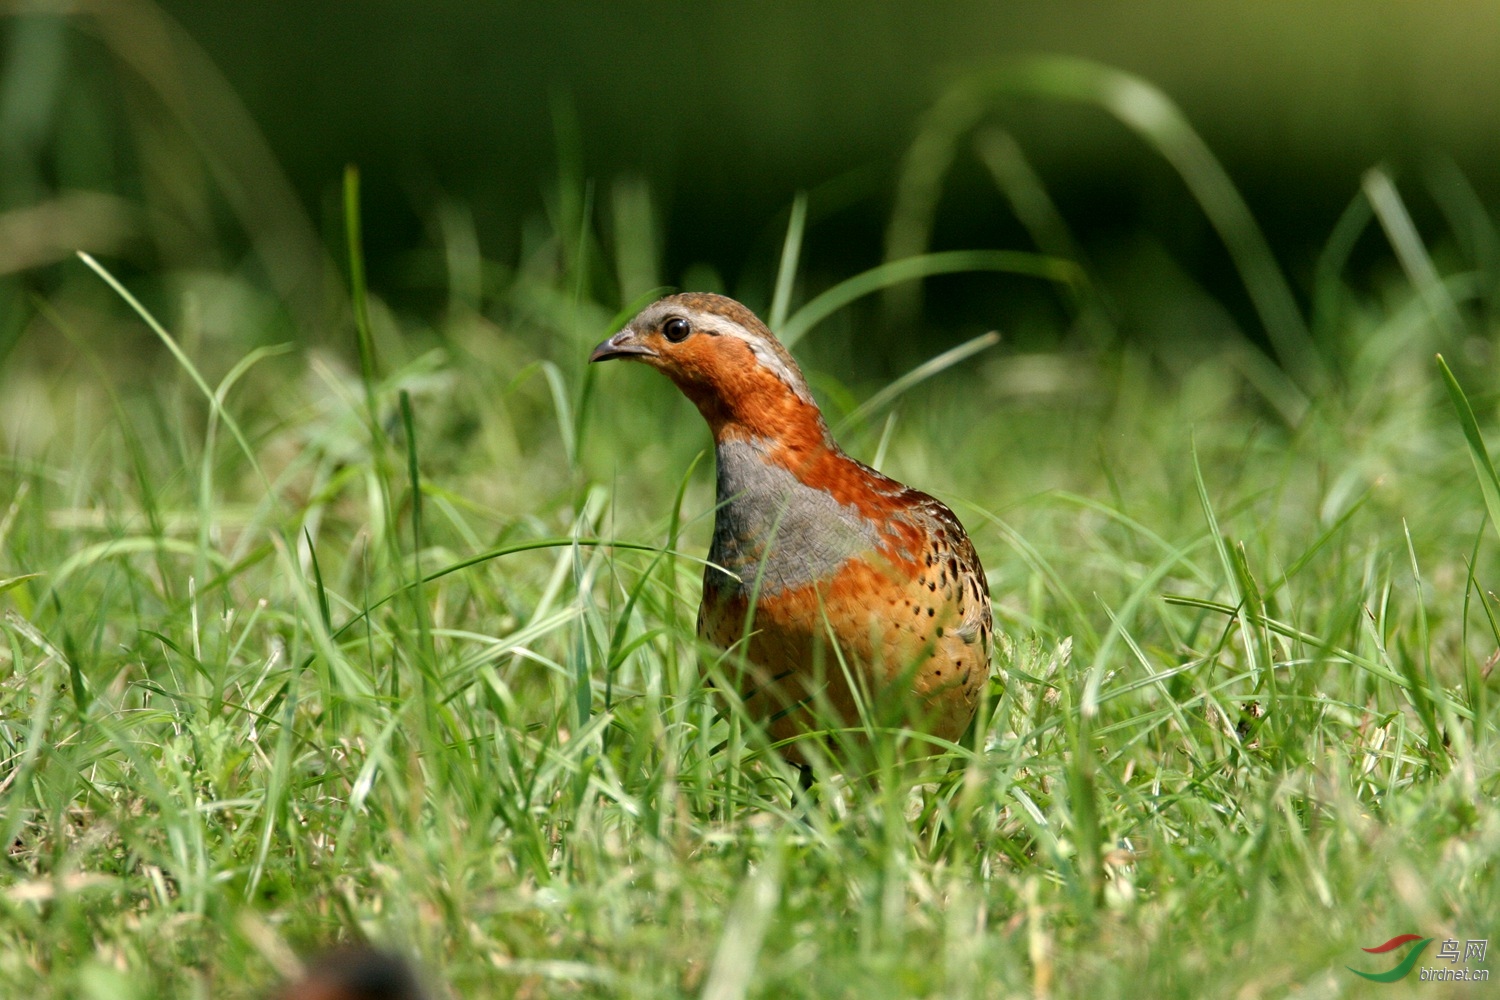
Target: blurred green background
<point>183,135</point>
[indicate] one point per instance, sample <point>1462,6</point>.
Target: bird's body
<point>355,973</point>
<point>822,570</point>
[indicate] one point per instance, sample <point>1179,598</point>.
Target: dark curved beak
<point>624,344</point>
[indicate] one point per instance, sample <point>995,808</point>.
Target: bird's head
<point>724,359</point>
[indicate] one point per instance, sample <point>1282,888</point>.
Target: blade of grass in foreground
<point>420,610</point>
<point>182,359</point>
<point>1415,261</point>
<point>1423,683</point>
<point>1233,579</point>
<point>1368,664</point>
<point>922,266</point>
<point>1489,482</point>
<point>1489,487</point>
<point>919,374</point>
<point>358,293</point>
<point>786,273</point>
<point>15,581</point>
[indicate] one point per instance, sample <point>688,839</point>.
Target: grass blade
<point>420,610</point>
<point>786,272</point>
<point>358,292</point>
<point>1484,469</point>
<point>923,266</point>
<point>1148,112</point>
<point>1226,563</point>
<point>183,360</point>
<point>918,375</point>
<point>1410,251</point>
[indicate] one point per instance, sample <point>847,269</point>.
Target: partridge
<point>360,973</point>
<point>843,591</point>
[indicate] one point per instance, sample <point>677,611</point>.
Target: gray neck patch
<point>775,532</point>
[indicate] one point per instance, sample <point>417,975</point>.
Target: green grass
<point>395,644</point>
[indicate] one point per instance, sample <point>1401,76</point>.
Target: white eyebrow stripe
<point>776,362</point>
<point>767,355</point>
<point>718,324</point>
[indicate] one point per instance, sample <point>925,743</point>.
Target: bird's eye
<point>676,329</point>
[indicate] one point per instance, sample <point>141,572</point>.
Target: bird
<point>841,591</point>
<point>355,973</point>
